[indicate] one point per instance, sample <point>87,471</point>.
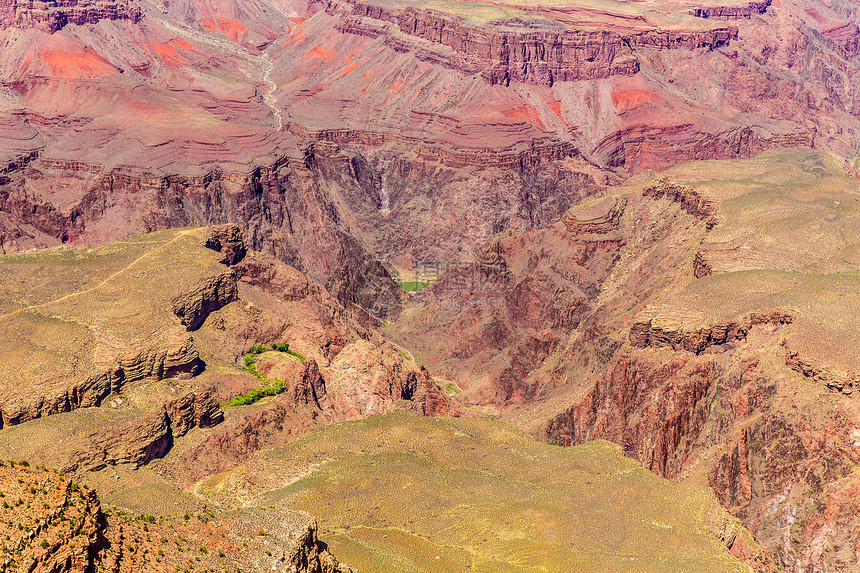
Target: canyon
<point>234,230</point>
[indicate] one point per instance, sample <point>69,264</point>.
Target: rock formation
<point>53,15</point>
<point>66,530</point>
<point>141,440</point>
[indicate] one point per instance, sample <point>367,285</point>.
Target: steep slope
<point>65,529</point>
<point>113,356</point>
<point>339,132</point>
<point>705,336</point>
<point>398,492</point>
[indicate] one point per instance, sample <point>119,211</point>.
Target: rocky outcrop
<point>701,266</point>
<point>654,409</point>
<point>210,294</point>
<point>598,218</point>
<point>177,357</point>
<point>229,240</point>
<point>370,376</point>
<point>64,530</point>
<point>732,12</point>
<point>61,531</point>
<point>519,157</point>
<point>309,389</point>
<point>688,197</point>
<point>832,379</point>
<point>141,440</point>
<point>512,50</point>
<point>781,469</point>
<point>290,543</point>
<point>669,333</point>
<point>641,146</point>
<point>52,15</point>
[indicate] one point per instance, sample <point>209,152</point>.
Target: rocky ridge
<point>504,54</point>
<point>53,15</point>
<point>718,376</point>
<point>66,530</point>
<point>145,402</point>
<point>732,12</point>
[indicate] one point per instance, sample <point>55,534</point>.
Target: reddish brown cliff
<point>732,12</point>
<point>65,530</point>
<point>52,15</point>
<point>141,440</point>
<point>511,50</point>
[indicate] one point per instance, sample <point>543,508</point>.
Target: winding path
<point>144,255</point>
<point>269,97</point>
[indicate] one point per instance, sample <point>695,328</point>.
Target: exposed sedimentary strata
<point>177,356</point>
<point>53,15</point>
<point>832,379</point>
<point>773,459</point>
<point>600,217</point>
<point>514,51</point>
<point>732,12</point>
<point>210,294</point>
<point>517,158</point>
<point>658,332</point>
<point>642,146</point>
<point>141,440</point>
<point>688,197</point>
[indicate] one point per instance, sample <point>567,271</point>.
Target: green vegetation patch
<point>270,387</point>
<point>414,285</point>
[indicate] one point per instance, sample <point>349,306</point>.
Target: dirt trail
<point>105,281</point>
<point>269,97</point>
<point>266,64</point>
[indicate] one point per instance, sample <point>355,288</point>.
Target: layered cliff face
<point>372,114</point>
<point>732,12</point>
<point>52,16</point>
<point>726,371</point>
<point>96,380</point>
<point>521,51</point>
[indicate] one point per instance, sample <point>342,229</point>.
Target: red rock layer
<point>51,16</point>
<point>732,12</point>
<point>504,53</point>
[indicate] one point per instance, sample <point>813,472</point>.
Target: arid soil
<point>54,524</point>
<point>206,208</point>
<point>721,369</point>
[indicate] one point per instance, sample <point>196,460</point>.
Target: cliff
<point>65,530</point>
<point>513,50</point>
<point>732,12</point>
<point>139,441</point>
<point>53,15</point>
<point>62,529</point>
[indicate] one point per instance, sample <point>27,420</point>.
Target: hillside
<point>697,319</point>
